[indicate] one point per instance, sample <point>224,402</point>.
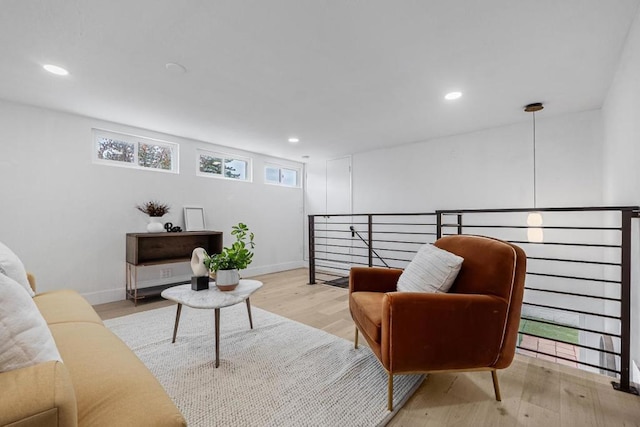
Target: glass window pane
<point>289,177</point>
<point>210,164</point>
<point>236,169</point>
<point>272,175</point>
<point>118,151</point>
<point>154,156</point>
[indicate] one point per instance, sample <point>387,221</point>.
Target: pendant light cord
<point>534,159</point>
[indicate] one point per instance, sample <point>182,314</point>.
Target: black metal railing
<point>578,286</point>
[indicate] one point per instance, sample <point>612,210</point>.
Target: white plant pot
<point>155,224</point>
<point>227,280</point>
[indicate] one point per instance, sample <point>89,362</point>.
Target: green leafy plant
<point>153,208</point>
<point>237,256</point>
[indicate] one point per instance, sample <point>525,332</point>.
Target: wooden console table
<point>146,249</point>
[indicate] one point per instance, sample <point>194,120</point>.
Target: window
<point>220,165</point>
<point>134,151</point>
<point>280,175</point>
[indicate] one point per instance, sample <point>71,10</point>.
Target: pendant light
<point>534,219</point>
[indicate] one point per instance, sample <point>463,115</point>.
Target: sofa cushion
<point>25,339</point>
<point>11,266</point>
<point>65,306</point>
<point>431,270</point>
<point>112,386</point>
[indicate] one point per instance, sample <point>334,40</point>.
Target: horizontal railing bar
<point>570,343</point>
<point>546,227</point>
<point>560,276</point>
<point>589,245</point>
<point>522,242</point>
<point>573,294</point>
<point>571,310</point>
<point>594,331</point>
<point>406,223</point>
<point>406,232</point>
<point>615,264</point>
<point>567,209</point>
<point>378,214</point>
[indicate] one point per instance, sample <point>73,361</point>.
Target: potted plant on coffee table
<point>236,257</point>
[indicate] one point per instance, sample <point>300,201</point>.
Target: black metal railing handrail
<point>398,237</point>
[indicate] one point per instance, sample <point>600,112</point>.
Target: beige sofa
<point>100,383</point>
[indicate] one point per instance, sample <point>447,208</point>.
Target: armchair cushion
<point>432,270</point>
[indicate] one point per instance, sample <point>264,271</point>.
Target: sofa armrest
<point>39,395</point>
<point>32,281</point>
<point>441,331</point>
<point>373,279</point>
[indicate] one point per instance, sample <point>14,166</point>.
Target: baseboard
<point>274,268</point>
<point>118,294</point>
<point>103,297</point>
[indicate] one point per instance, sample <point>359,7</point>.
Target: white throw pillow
<point>25,339</point>
<point>11,266</point>
<point>432,270</point>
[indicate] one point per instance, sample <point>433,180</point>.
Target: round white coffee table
<point>211,298</point>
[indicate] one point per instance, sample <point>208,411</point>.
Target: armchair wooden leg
<point>355,340</point>
<point>496,385</point>
<point>390,392</point>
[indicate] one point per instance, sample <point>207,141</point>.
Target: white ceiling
<point>343,76</point>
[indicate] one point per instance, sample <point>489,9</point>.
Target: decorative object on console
<point>155,210</point>
<point>194,219</point>
<point>171,228</point>
<point>200,278</point>
<point>236,257</point>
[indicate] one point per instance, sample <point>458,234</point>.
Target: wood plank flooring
<point>535,392</point>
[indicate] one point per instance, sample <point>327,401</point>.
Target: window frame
<point>136,140</point>
<point>224,157</point>
<point>279,166</point>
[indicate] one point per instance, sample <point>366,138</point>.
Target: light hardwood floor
<point>534,392</point>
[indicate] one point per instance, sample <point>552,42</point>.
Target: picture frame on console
<point>194,219</point>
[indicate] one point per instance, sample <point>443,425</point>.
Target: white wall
<point>67,217</point>
<point>487,169</point>
<point>621,117</point>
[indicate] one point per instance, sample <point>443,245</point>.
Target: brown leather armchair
<point>473,327</point>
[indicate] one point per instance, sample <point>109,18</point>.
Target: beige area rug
<point>281,373</point>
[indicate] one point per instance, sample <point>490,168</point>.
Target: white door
<point>339,186</point>
<point>339,202</point>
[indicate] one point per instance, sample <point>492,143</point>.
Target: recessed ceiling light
<point>175,68</point>
<point>305,157</point>
<point>54,69</point>
<point>294,140</point>
<point>452,95</point>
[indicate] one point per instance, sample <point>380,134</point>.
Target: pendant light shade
<point>534,219</point>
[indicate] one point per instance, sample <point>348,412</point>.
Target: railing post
<point>312,251</point>
<point>459,224</point>
<point>625,306</point>
<point>370,239</point>
<point>438,224</point>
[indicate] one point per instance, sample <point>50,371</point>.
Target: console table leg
<point>249,311</point>
<point>217,326</point>
<point>175,327</point>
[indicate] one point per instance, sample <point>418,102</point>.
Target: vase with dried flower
<point>155,210</point>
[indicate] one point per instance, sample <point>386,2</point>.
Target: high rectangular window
<point>136,152</point>
<point>281,175</point>
<point>220,165</point>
